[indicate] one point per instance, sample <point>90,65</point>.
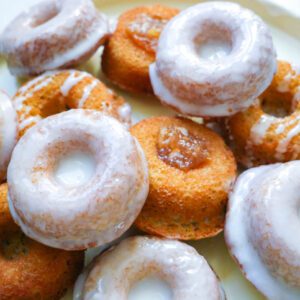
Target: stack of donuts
<point>77,174</point>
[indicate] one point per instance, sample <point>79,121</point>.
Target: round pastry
<point>262,226</point>
<point>53,34</point>
<point>55,92</point>
<point>213,59</point>
<point>153,260</point>
<point>269,131</point>
<point>82,181</point>
<point>29,270</point>
<point>191,171</point>
<point>8,132</point>
<point>132,47</point>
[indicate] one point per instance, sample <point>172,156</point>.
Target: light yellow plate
<point>286,33</point>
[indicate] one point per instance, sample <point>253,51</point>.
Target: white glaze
<point>75,169</point>
<point>74,78</point>
<point>200,87</point>
<point>150,288</point>
<point>284,84</point>
<point>29,121</point>
<point>53,34</point>
<point>124,112</point>
<point>91,214</point>
<point>114,273</point>
<point>8,132</point>
<point>86,92</point>
<point>206,110</point>
<point>214,50</point>
<point>259,130</point>
<point>283,144</point>
<point>39,82</point>
<point>262,215</point>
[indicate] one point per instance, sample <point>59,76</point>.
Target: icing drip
<point>73,79</point>
<point>87,92</point>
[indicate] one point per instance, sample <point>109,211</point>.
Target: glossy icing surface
<point>261,228</point>
<point>198,85</point>
<point>32,42</point>
<point>86,214</point>
<point>284,30</point>
<point>8,132</point>
<point>186,272</point>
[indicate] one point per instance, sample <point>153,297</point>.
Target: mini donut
<point>141,258</point>
<point>8,132</point>
<point>29,270</point>
<point>52,35</point>
<point>105,193</point>
<point>261,228</point>
<point>213,60</point>
<point>132,47</point>
<point>55,92</point>
<point>191,170</point>
<point>269,131</point>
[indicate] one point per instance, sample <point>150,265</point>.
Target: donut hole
<point>181,149</point>
<point>45,15</point>
<point>214,42</point>
<point>75,168</point>
<point>277,105</point>
<point>52,106</point>
<point>149,288</point>
<point>70,163</point>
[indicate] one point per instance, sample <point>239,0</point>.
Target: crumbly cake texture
<point>184,203</point>
<point>30,270</point>
<point>132,47</point>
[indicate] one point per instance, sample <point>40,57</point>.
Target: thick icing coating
<point>8,132</point>
<point>53,34</point>
<point>214,85</point>
<point>53,91</point>
<point>112,274</point>
<point>85,215</point>
<point>261,228</point>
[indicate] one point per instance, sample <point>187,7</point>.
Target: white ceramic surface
<point>284,19</point>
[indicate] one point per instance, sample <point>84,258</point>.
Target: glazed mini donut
<point>132,47</point>
<point>55,92</point>
<point>82,181</point>
<point>29,270</point>
<point>261,228</point>
<point>191,171</point>
<point>141,258</point>
<point>269,131</point>
<point>213,59</point>
<point>8,132</point>
<point>53,34</point>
